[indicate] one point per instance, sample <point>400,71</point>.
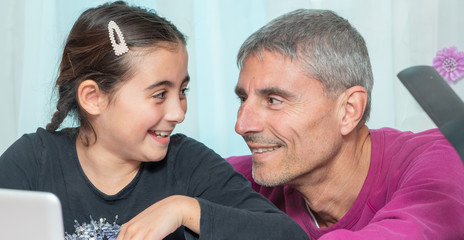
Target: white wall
<point>398,34</point>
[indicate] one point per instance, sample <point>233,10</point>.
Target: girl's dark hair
<point>88,54</point>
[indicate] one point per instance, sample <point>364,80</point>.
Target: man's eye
<point>272,100</point>
<point>242,99</point>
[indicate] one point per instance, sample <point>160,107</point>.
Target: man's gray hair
<point>327,46</point>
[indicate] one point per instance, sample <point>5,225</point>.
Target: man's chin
<point>266,179</point>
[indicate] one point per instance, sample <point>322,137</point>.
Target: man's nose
<point>248,118</point>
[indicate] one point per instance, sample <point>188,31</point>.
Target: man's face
<point>290,126</point>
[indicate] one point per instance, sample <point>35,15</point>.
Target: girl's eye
<point>160,95</point>
<point>184,91</point>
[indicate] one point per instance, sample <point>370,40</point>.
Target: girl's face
<point>137,123</point>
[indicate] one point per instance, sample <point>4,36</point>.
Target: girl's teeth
<point>161,134</point>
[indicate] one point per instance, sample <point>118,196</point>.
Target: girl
<point>123,75</point>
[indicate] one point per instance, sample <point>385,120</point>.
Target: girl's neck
<point>107,171</point>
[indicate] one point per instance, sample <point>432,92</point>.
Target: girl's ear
<point>354,103</point>
<point>90,98</point>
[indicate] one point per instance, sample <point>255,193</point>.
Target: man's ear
<point>353,105</point>
<point>90,98</point>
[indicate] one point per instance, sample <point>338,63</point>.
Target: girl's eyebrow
<point>167,83</point>
<point>161,83</point>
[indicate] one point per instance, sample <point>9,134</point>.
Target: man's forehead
<point>272,61</point>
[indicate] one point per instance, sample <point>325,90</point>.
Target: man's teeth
<point>161,134</point>
<point>260,150</point>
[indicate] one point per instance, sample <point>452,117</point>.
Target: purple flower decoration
<point>449,62</point>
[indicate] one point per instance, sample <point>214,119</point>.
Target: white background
<point>399,34</point>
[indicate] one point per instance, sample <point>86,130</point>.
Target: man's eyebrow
<point>239,91</point>
<point>167,83</point>
<point>276,91</point>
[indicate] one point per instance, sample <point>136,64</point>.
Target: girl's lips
<point>160,136</point>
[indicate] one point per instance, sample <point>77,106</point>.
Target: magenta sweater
<point>414,190</point>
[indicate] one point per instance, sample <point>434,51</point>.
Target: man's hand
<point>163,218</point>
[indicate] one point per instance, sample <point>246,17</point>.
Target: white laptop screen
<point>26,215</point>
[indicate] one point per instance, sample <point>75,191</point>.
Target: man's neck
<point>331,191</point>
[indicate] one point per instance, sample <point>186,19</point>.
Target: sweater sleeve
<point>19,164</point>
<point>230,209</point>
<point>428,203</point>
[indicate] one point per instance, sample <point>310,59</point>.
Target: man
<point>305,88</point>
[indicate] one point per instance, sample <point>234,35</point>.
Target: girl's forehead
<point>157,64</point>
<point>138,54</point>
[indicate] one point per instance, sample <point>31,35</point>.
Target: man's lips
<point>256,148</point>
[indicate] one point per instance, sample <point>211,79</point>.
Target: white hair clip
<point>121,48</point>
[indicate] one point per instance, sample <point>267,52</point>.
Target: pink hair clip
<point>121,48</point>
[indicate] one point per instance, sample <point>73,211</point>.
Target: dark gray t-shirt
<point>230,209</point>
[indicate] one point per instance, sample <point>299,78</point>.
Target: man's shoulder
<point>393,139</point>
<point>426,154</point>
<point>392,132</point>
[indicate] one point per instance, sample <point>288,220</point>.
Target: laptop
<point>26,215</point>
